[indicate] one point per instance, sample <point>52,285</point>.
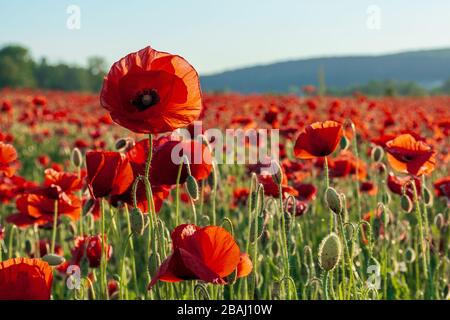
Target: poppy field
<point>355,205</point>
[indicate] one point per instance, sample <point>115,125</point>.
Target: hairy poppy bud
<point>333,200</point>
<point>213,177</point>
<point>329,252</point>
<point>377,154</point>
<point>344,143</point>
<point>192,188</point>
<point>53,259</point>
<point>277,172</point>
<point>427,196</point>
<point>76,158</point>
<point>406,203</point>
<point>137,221</point>
<point>439,221</point>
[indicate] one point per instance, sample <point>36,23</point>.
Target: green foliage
<point>17,70</point>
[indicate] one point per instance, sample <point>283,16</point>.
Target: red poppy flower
<point>109,173</point>
<point>368,187</point>
<point>8,158</point>
<point>68,182</point>
<point>306,191</point>
<point>160,193</point>
<point>164,170</point>
<point>91,248</point>
<point>209,254</point>
<point>11,187</point>
<point>25,279</point>
<point>319,139</point>
<point>407,155</point>
<point>240,196</point>
<point>245,266</point>
<point>396,184</point>
<point>152,92</point>
<point>271,189</point>
<point>37,207</point>
<point>442,187</point>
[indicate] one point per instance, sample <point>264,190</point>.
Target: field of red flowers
<point>356,206</point>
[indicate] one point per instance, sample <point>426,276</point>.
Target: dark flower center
<point>145,99</point>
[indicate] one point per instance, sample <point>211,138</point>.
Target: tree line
<point>19,70</point>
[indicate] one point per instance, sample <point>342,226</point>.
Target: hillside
<point>427,68</point>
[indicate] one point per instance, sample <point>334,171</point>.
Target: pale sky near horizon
<point>222,35</point>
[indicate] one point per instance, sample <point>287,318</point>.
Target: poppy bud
<point>406,203</point>
<point>53,259</point>
<point>277,172</point>
<point>192,188</point>
<point>410,255</point>
<point>213,177</point>
<point>121,144</point>
<point>439,221</point>
<point>329,252</point>
<point>377,154</point>
<point>137,221</point>
<point>333,200</point>
<point>386,198</point>
<point>427,196</point>
<point>76,157</point>
<point>344,143</point>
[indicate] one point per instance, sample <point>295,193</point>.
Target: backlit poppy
<point>90,247</point>
<point>408,155</point>
<point>209,254</point>
<point>109,173</point>
<point>25,279</point>
<point>152,92</point>
<point>442,187</point>
<point>8,158</point>
<point>319,139</point>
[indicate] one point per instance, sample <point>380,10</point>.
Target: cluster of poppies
<point>154,93</point>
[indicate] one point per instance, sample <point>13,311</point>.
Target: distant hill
<point>428,68</point>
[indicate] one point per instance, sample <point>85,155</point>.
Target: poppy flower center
<point>145,99</point>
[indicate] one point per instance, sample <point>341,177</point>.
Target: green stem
<point>327,185</point>
<point>55,225</point>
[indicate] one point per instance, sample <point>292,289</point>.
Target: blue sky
<point>220,35</point>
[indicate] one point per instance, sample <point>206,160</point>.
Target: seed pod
<point>277,172</point>
<point>121,144</point>
<point>192,188</point>
<point>410,255</point>
<point>406,203</point>
<point>386,198</point>
<point>53,259</point>
<point>377,154</point>
<point>439,221</point>
<point>137,221</point>
<point>333,200</point>
<point>427,196</point>
<point>76,158</point>
<point>344,143</point>
<point>329,252</point>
